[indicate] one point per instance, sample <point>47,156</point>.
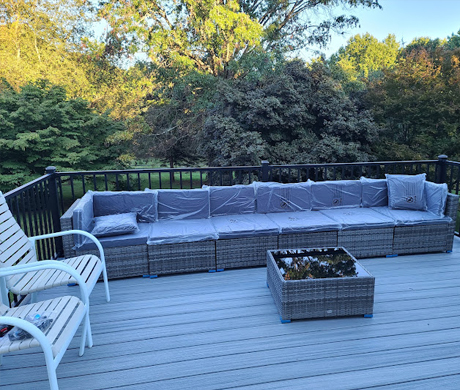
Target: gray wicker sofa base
<point>233,227</point>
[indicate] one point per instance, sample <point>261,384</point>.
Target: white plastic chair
<point>68,313</point>
<point>17,249</point>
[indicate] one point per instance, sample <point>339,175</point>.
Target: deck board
<point>222,330</point>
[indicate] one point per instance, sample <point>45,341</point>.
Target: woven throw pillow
<point>406,192</point>
<point>115,225</point>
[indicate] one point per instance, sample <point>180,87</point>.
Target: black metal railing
<point>38,205</point>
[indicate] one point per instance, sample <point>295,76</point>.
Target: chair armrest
<point>71,232</point>
<point>49,264</point>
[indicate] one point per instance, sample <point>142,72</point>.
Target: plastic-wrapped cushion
<point>144,203</point>
<point>179,231</point>
<point>115,225</point>
<point>228,200</point>
<point>280,198</point>
<point>412,217</point>
<point>246,225</point>
<point>406,192</point>
<point>304,221</point>
<point>374,192</point>
<point>342,193</point>
<point>359,218</point>
<point>83,217</point>
<point>138,238</point>
<point>436,197</point>
<point>183,204</point>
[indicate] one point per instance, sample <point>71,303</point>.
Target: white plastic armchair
<point>68,313</point>
<point>17,249</point>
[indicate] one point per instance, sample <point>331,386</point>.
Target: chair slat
<point>14,237</point>
<point>8,228</point>
<point>16,252</point>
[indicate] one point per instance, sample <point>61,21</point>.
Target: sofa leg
<point>395,255</point>
<point>153,276</point>
<point>284,321</point>
<point>368,315</point>
<point>220,269</point>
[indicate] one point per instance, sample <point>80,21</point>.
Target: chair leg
<point>106,285</point>
<point>89,335</point>
<point>51,367</point>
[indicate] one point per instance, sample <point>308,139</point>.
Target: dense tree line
<point>216,84</point>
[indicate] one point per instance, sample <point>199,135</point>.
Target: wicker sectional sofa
<point>216,228</point>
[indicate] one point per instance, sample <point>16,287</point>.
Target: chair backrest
<point>15,247</point>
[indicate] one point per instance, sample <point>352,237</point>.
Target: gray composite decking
<point>222,330</point>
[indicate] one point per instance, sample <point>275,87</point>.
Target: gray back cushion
<point>374,192</point>
<point>436,197</point>
<point>330,194</point>
<point>231,200</point>
<point>183,204</point>
<point>278,198</point>
<point>144,203</point>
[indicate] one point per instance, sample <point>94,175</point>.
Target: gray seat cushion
<point>412,217</point>
<point>359,218</point>
<point>179,231</point>
<point>138,238</point>
<point>303,221</point>
<point>246,225</point>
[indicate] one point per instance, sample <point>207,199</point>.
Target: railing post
<point>442,169</point>
<point>265,170</point>
<point>54,206</point>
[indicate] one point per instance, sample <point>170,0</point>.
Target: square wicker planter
<point>322,297</point>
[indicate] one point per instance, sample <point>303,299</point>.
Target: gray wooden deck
<point>216,331</point>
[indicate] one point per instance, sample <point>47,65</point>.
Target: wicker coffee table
<point>333,284</point>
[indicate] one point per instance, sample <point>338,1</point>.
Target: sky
<point>406,19</point>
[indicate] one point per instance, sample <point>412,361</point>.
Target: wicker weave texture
<point>371,242</point>
<point>308,240</point>
<point>244,252</point>
<point>182,258</point>
<point>420,239</point>
<point>319,298</point>
<point>123,262</point>
<point>66,224</point>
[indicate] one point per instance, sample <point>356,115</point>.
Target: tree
<point>209,36</point>
<point>297,114</point>
<point>363,58</point>
<point>41,39</point>
<point>42,127</point>
<point>417,103</point>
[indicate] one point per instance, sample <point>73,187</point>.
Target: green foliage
<point>295,115</point>
<point>41,127</point>
<point>208,35</point>
<point>40,39</point>
<point>363,59</point>
<point>417,103</point>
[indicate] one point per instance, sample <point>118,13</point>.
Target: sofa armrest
<point>452,207</point>
<point>67,224</point>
